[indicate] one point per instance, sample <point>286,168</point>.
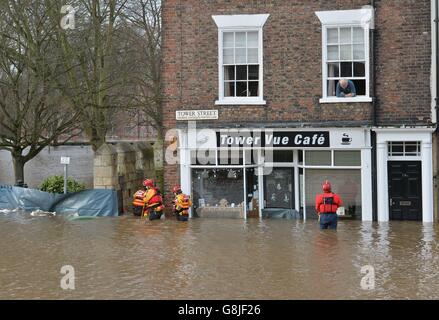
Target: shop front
<point>275,172</point>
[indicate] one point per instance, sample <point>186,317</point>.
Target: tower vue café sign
<point>278,139</point>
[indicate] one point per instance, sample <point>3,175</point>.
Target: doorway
<point>405,190</point>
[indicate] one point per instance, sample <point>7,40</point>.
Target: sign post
<point>65,161</point>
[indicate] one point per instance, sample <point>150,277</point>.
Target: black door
<point>405,190</point>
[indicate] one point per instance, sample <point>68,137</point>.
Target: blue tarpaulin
<point>98,202</point>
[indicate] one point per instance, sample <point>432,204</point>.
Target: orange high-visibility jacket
<point>182,202</point>
<point>138,198</point>
<point>152,197</point>
<point>328,203</point>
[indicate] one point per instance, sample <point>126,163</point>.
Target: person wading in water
<point>327,204</point>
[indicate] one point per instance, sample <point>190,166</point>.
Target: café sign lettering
<point>279,139</point>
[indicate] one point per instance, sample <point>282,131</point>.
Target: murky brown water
<point>215,259</point>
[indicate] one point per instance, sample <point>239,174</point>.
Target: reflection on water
<point>214,259</point>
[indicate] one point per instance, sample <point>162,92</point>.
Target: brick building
<point>269,72</point>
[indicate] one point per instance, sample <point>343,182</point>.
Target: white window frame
<point>346,18</point>
<point>240,23</point>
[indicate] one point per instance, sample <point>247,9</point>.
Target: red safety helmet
<point>326,186</point>
<point>176,188</point>
<point>148,183</point>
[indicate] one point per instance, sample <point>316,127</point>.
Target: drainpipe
<point>374,119</point>
<point>436,22</point>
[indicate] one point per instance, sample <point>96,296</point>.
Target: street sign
<point>65,160</point>
<point>182,115</point>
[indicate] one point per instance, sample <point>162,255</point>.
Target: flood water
<point>128,258</point>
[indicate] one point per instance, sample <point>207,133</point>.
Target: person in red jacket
<point>327,204</point>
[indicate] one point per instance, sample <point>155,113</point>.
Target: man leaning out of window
<point>346,88</point>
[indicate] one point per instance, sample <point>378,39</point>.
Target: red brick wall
<point>292,62</point>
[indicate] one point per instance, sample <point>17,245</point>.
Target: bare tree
<point>95,62</point>
<point>145,18</point>
<point>33,113</point>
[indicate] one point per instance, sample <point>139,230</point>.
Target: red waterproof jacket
<point>328,203</point>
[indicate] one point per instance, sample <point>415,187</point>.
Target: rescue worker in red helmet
<point>182,204</point>
<point>327,204</point>
<point>138,203</point>
<point>153,202</point>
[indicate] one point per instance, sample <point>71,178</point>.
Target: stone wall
<point>123,167</point>
<point>47,163</point>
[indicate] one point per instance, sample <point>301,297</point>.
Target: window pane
<point>283,156</point>
<point>346,183</point>
<point>332,35</point>
<point>346,52</point>
<point>333,69</point>
<point>253,88</point>
<point>253,72</point>
<point>228,56</point>
<point>241,89</point>
<point>240,40</point>
<point>229,89</point>
<point>203,157</point>
<point>252,55</point>
<point>359,69</point>
<point>230,157</point>
<point>318,158</point>
<point>279,186</point>
<point>345,35</point>
<point>347,158</point>
<point>229,73</point>
<point>360,87</point>
<point>346,69</point>
<point>332,52</point>
<point>252,39</point>
<point>241,72</point>
<point>228,40</point>
<point>241,56</point>
<point>332,86</point>
<point>210,186</point>
<point>359,53</point>
<point>358,35</point>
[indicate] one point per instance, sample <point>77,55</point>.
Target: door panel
<point>405,190</point>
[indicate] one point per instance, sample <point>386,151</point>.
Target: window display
<point>218,188</point>
<point>279,188</point>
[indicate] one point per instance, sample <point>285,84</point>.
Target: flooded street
<point>126,258</point>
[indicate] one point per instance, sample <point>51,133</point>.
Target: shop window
<point>283,156</point>
<point>217,188</point>
<point>251,156</point>
<point>347,158</point>
<point>230,157</point>
<point>404,149</point>
<point>252,189</point>
<point>203,157</point>
<point>279,189</point>
<point>318,158</point>
<point>346,183</point>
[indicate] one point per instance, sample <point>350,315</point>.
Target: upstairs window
<point>240,59</point>
<point>345,55</point>
<point>346,59</point>
<point>241,64</point>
